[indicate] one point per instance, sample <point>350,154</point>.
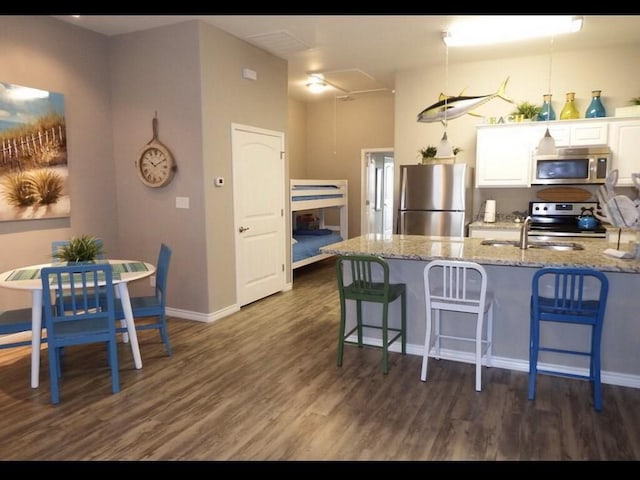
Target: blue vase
<point>595,108</point>
<point>546,112</point>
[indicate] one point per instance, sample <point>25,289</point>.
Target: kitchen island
<point>510,271</point>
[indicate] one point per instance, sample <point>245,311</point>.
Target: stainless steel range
<point>560,219</point>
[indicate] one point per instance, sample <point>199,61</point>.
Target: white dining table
<point>28,278</point>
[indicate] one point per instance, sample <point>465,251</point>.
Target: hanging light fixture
<point>493,29</point>
<point>547,144</point>
<point>444,147</point>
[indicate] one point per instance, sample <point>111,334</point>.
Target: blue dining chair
<point>77,321</point>
<point>575,296</point>
<point>13,322</point>
<point>152,305</point>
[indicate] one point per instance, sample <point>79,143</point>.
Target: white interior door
<point>258,198</point>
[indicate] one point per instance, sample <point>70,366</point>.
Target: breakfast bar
<point>510,270</point>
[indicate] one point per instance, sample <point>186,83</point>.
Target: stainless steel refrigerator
<point>435,199</point>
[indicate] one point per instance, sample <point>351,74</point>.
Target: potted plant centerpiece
<point>83,248</point>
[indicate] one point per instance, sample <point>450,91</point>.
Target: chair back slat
<point>369,274</point>
<point>460,282</point>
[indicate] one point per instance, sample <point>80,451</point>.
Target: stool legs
<point>534,341</point>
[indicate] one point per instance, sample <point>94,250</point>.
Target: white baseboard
<point>611,378</point>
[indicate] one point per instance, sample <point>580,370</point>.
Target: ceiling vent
<point>352,81</point>
<point>280,43</point>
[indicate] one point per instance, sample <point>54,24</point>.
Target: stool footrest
<point>389,341</point>
<point>560,350</point>
<point>565,374</point>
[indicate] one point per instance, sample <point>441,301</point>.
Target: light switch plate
<point>182,202</point>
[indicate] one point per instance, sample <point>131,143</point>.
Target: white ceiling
<point>363,52</point>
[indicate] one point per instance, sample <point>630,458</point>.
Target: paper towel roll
<point>490,211</point>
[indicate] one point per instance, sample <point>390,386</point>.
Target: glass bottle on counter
<point>595,108</point>
<point>569,111</point>
<point>546,111</point>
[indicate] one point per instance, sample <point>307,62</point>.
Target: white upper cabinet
<point>568,133</point>
<point>504,152</point>
<point>503,156</point>
<point>625,149</point>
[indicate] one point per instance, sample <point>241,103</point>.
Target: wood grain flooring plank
<point>262,384</point>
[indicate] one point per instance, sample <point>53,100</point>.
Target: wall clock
<point>155,166</point>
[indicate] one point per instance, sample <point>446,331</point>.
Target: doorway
<point>258,200</point>
<point>377,191</point>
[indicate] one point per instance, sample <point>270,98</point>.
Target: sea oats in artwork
<point>33,154</point>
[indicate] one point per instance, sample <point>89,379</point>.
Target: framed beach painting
<point>33,157</point>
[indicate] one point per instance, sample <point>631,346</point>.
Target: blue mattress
<point>309,245</point>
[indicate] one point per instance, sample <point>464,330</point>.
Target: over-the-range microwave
<point>573,165</point>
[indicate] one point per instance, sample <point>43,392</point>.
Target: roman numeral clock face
<point>155,166</point>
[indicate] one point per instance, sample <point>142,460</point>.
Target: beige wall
<point>157,71</point>
<point>190,74</point>
<point>41,52</point>
<point>614,71</point>
<point>228,98</point>
<point>337,131</point>
<point>297,139</point>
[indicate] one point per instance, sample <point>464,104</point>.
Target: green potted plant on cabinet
<point>528,111</point>
<point>428,153</point>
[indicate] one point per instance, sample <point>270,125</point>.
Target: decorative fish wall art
<point>453,107</point>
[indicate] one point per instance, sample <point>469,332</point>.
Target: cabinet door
<point>576,134</point>
<point>589,134</point>
<point>503,156</point>
<point>625,149</point>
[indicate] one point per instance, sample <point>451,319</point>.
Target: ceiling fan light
<point>316,84</point>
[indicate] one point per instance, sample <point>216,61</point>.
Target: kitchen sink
<point>556,245</point>
<point>501,243</point>
<point>559,246</point>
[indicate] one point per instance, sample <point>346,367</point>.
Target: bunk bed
<point>313,204</point>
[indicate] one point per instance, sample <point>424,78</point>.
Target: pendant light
<point>444,147</point>
<point>547,144</point>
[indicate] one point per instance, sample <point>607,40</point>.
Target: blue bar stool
<point>575,296</point>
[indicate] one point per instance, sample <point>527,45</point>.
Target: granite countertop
<point>420,247</point>
<point>512,225</point>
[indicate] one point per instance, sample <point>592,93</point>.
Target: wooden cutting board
<point>564,194</point>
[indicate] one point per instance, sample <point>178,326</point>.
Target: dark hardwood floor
<point>262,384</point>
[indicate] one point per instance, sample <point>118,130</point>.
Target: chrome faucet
<point>524,233</point>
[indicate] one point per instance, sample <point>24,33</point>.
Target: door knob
<point>243,229</point>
